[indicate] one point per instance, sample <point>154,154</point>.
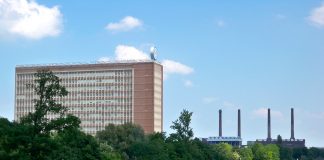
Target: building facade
<point>234,141</point>
<point>291,143</point>
<point>102,93</point>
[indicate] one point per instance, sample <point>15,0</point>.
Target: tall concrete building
<point>102,93</point>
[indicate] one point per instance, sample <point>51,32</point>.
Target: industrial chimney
<point>239,123</point>
<point>292,137</point>
<point>269,126</point>
<point>220,123</point>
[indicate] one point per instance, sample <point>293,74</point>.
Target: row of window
<point>84,74</point>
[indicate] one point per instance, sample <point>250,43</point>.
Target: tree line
<point>37,137</point>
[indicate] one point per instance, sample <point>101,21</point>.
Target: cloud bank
<point>29,19</point>
<point>174,67</point>
<point>317,16</point>
<point>126,24</point>
<point>125,52</point>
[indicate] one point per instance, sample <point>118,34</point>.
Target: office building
<point>102,93</point>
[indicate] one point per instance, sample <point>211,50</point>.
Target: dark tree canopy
<point>48,90</point>
<point>37,137</point>
<point>182,126</point>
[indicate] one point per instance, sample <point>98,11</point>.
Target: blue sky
<point>222,55</point>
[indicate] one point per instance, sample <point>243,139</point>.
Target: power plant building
<point>101,93</point>
<point>291,143</point>
<point>234,141</point>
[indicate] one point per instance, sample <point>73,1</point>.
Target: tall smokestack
<point>269,125</point>
<point>292,137</point>
<point>220,123</point>
<point>239,123</point>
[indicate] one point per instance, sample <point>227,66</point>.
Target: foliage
<point>279,140</point>
<point>37,137</point>
<point>108,152</point>
<point>286,153</point>
<point>121,137</point>
<point>246,153</point>
<point>267,152</point>
<point>48,89</point>
<point>76,145</point>
<point>182,127</point>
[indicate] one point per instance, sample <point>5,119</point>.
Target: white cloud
<point>124,52</point>
<point>317,16</point>
<point>29,19</point>
<point>263,113</point>
<point>173,67</point>
<point>126,24</point>
<point>209,100</point>
<point>188,83</point>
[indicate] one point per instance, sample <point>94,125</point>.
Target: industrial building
<point>291,143</point>
<point>102,93</point>
<point>234,141</point>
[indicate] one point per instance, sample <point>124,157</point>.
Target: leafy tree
<point>14,140</point>
<point>152,147</point>
<point>120,137</point>
<point>181,144</point>
<point>48,89</point>
<point>273,150</point>
<point>267,152</point>
<point>108,152</point>
<point>313,153</point>
<point>76,145</point>
<point>279,140</point>
<point>205,150</point>
<point>182,127</point>
<point>286,153</point>
<point>246,153</point>
<point>224,152</point>
<point>299,152</point>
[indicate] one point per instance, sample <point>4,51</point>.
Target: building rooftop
<point>223,139</point>
<point>87,63</point>
<point>284,140</point>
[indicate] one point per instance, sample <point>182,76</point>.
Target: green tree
<point>14,140</point>
<point>279,140</point>
<point>73,144</point>
<point>224,151</point>
<point>286,153</point>
<point>313,153</point>
<point>48,89</point>
<point>108,153</point>
<point>121,137</point>
<point>273,150</point>
<point>246,153</point>
<point>267,152</point>
<point>182,127</point>
<point>152,147</point>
